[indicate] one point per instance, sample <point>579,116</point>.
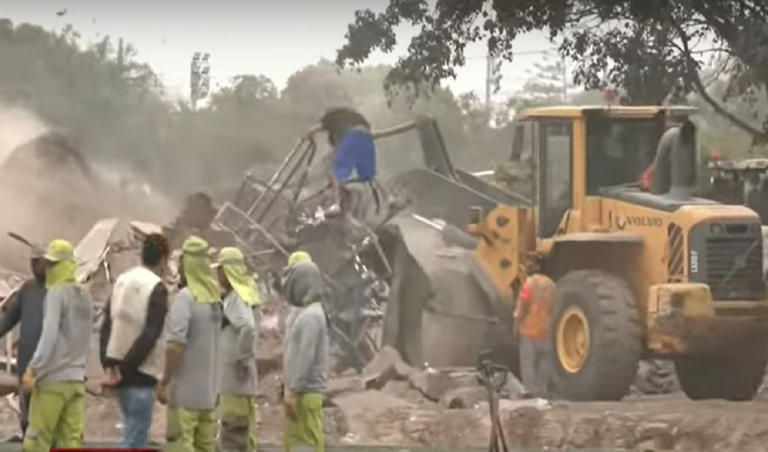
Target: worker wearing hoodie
<point>295,258</point>
<point>189,384</point>
<point>56,373</point>
<point>306,357</point>
<point>25,308</point>
<point>237,390</point>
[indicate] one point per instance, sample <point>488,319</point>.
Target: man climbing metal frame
<point>349,133</point>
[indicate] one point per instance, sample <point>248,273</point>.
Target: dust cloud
<point>48,190</point>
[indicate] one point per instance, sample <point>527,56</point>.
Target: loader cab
<point>542,147</point>
<point>575,152</point>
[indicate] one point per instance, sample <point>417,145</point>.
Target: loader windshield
<point>619,149</point>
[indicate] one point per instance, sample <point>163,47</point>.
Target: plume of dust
<point>46,195</point>
<point>17,127</point>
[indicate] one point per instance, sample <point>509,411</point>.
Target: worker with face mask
<point>25,307</point>
<point>305,359</point>
<point>295,258</point>
<point>189,384</point>
<point>56,374</point>
<point>242,315</point>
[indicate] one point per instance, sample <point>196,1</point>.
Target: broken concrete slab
<point>90,251</point>
<point>463,377</point>
<point>514,405</point>
<point>143,228</point>
<point>386,366</point>
<point>433,383</point>
<point>366,401</point>
<point>359,408</point>
<point>464,397</point>
<point>343,385</point>
<point>514,389</point>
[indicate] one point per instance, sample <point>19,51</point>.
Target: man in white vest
<point>132,351</point>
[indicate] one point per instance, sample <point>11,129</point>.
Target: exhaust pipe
<point>683,162</point>
<point>675,162</point>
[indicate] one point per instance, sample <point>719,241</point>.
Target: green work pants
<point>237,414</point>
<point>56,412</point>
<point>307,428</point>
<point>190,430</point>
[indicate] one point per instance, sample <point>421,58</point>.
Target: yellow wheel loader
<point>640,273</point>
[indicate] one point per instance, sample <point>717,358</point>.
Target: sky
<point>271,37</point>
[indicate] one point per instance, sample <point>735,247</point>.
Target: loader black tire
<point>736,376</point>
<point>655,377</point>
<point>609,364</point>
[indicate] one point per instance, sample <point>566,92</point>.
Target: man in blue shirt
<point>349,133</point>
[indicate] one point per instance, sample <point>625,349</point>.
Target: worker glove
<point>28,380</point>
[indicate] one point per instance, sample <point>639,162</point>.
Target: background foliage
<point>116,111</point>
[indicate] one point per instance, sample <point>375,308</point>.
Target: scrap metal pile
<point>402,247</point>
<point>270,220</point>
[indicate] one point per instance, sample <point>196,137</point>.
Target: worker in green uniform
<point>239,339</point>
<point>56,374</point>
<point>305,360</point>
<point>189,384</point>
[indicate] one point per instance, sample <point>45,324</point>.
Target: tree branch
<point>693,76</point>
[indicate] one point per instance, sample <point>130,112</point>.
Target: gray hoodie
<point>305,362</point>
<point>304,284</point>
<point>63,347</point>
<point>238,344</point>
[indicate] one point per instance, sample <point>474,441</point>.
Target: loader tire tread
<point>615,336</point>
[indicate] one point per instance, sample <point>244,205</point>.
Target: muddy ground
<point>651,423</point>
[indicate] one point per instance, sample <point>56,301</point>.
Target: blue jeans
<point>137,404</point>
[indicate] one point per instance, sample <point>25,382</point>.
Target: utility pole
<point>120,56</point>
<point>199,77</point>
<point>565,81</point>
<point>488,66</point>
<point>492,77</point>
